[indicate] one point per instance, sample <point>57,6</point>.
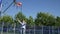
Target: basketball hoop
<point>18,3</point>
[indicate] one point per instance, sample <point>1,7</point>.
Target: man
<point>23,26</point>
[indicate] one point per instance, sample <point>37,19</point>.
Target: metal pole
<point>2,28</point>
<point>0,7</point>
<point>58,30</point>
<point>8,7</point>
<point>0,14</point>
<point>21,10</point>
<point>42,29</point>
<point>34,28</point>
<point>49,29</point>
<point>14,27</point>
<point>7,28</point>
<point>21,17</point>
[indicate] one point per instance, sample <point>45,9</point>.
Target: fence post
<point>49,29</point>
<point>7,28</point>
<point>34,28</point>
<point>42,29</point>
<point>2,28</point>
<point>14,27</point>
<point>29,31</point>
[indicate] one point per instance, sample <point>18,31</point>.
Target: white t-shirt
<point>23,25</point>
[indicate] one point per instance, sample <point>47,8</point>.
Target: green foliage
<point>7,18</point>
<point>0,19</point>
<point>57,21</point>
<point>45,19</point>
<point>41,19</point>
<point>20,16</point>
<point>30,21</point>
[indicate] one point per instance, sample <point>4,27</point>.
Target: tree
<point>57,21</point>
<point>51,21</point>
<point>30,21</point>
<point>7,20</point>
<point>44,19</point>
<point>20,16</point>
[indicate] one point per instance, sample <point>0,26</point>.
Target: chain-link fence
<point>32,30</point>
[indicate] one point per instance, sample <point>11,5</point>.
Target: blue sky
<point>32,7</point>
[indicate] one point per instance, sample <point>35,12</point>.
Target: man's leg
<point>24,31</point>
<point>21,31</point>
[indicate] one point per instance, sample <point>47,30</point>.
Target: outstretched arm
<point>24,22</point>
<point>19,21</point>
